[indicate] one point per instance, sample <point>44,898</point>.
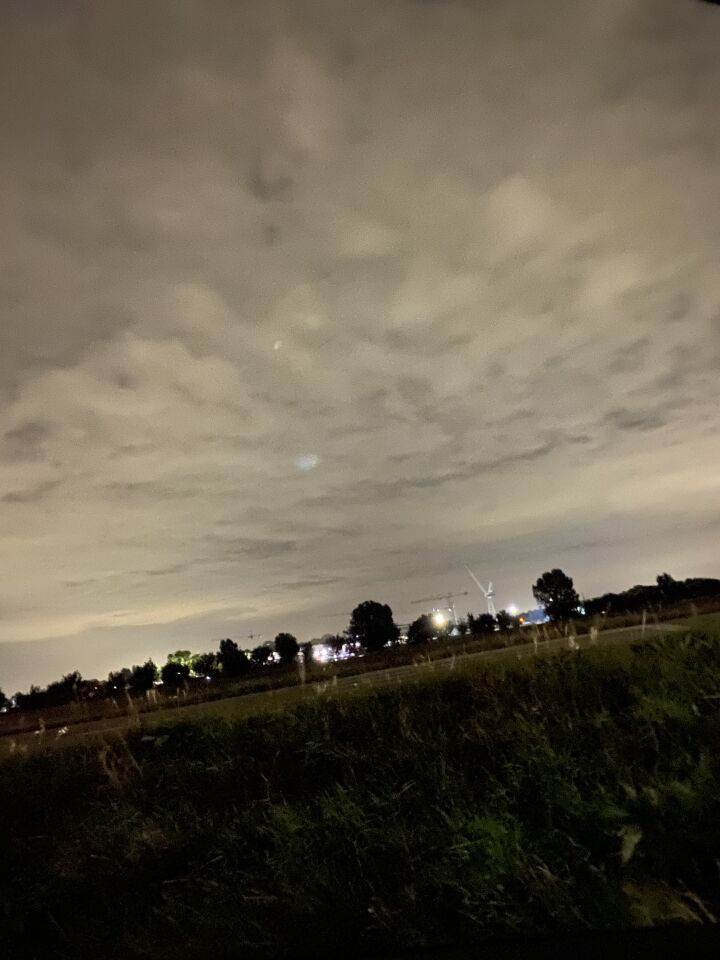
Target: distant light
<point>277,345</point>
<point>512,610</point>
<point>439,619</point>
<point>307,461</point>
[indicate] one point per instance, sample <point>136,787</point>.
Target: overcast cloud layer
<point>308,302</point>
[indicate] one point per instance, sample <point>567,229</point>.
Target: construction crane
<point>449,597</point>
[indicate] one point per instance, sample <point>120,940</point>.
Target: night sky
<point>305,303</point>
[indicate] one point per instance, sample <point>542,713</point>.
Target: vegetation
<point>371,630</point>
<point>482,625</point>
<point>666,592</point>
<point>286,647</point>
<point>260,655</point>
<point>555,592</point>
<point>574,791</point>
<point>175,674</point>
<point>142,678</point>
<point>233,661</point>
<point>421,630</point>
<point>507,622</point>
<point>372,625</point>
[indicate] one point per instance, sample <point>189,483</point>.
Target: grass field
<point>500,797</point>
<point>414,665</point>
<point>17,728</point>
<point>357,676</point>
<point>709,622</point>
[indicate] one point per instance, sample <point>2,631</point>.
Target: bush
<point>505,800</point>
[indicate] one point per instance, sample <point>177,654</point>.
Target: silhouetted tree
<point>336,642</point>
<point>32,699</point>
<point>670,589</point>
<point>63,691</point>
<point>206,665</point>
<point>372,625</point>
<point>175,674</point>
<point>234,661</point>
<point>117,681</point>
<point>421,630</point>
<point>482,624</point>
<point>142,678</point>
<point>261,655</point>
<point>555,591</point>
<point>507,622</point>
<point>4,702</point>
<point>699,588</point>
<point>286,647</point>
<point>307,651</point>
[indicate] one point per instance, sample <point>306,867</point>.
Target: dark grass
<point>569,793</point>
<point>264,680</point>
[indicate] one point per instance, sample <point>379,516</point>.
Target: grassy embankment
<point>581,790</point>
<point>278,678</point>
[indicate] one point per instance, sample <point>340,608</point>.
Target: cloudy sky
<point>305,302</point>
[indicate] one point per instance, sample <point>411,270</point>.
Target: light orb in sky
<point>307,461</point>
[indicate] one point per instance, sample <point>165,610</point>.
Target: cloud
<point>302,305</point>
<point>31,494</point>
<point>25,442</point>
<point>641,420</point>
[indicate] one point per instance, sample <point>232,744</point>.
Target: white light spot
<point>277,345</point>
<point>307,461</point>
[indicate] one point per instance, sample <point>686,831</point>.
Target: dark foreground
<point>671,940</point>
<point>573,794</point>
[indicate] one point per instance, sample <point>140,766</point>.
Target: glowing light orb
<point>307,461</point>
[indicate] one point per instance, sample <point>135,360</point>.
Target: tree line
<point>371,628</point>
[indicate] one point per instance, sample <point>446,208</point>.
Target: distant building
<point>532,617</point>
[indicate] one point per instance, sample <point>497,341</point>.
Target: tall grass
<point>570,792</point>
<point>277,677</point>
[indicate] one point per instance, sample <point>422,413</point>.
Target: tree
<point>670,589</point>
<point>261,655</point>
<point>307,652</point>
<point>286,647</point>
<point>206,665</point>
<point>555,591</point>
<point>421,630</point>
<point>233,660</point>
<point>143,678</point>
<point>336,642</point>
<point>175,674</point>
<point>63,691</point>
<point>507,622</point>
<point>117,681</point>
<point>481,625</point>
<point>4,702</point>
<point>372,625</point>
<point>183,657</point>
